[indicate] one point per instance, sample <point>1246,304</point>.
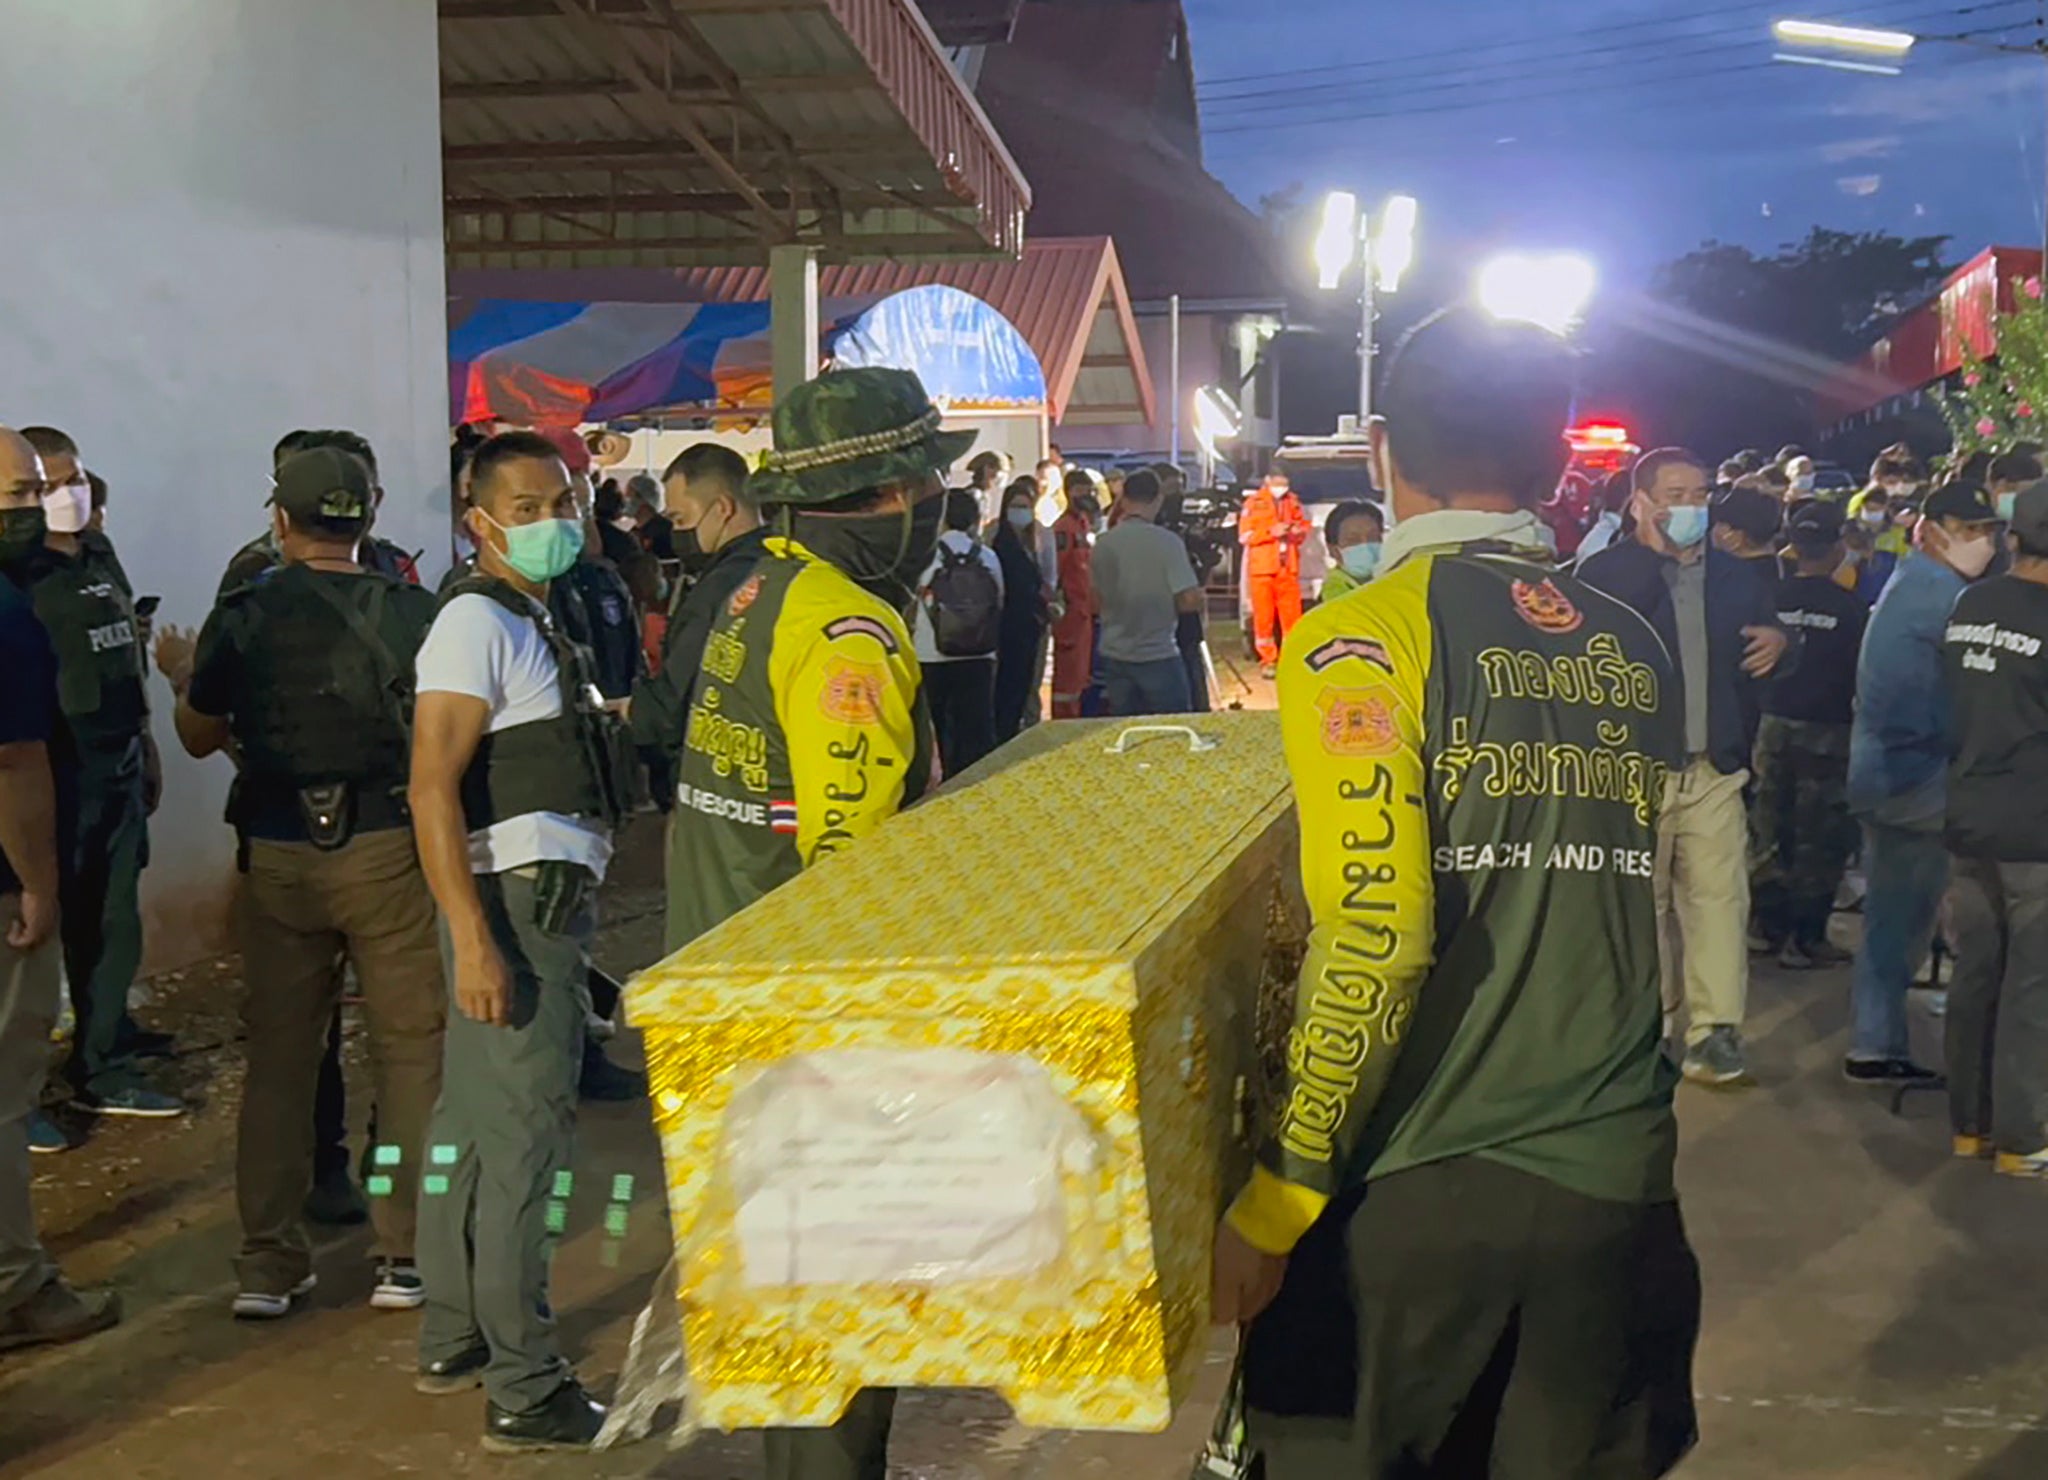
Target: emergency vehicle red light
<point>1598,434</point>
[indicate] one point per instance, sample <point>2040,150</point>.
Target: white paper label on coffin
<point>878,1166</point>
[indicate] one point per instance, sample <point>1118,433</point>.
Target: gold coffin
<point>1098,912</point>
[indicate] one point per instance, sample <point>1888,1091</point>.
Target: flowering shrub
<point>1995,404</point>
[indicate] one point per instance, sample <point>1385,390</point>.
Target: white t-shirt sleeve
<point>468,650</point>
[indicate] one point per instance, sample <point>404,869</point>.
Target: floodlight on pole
<point>1337,241</point>
<point>1393,248</point>
<point>1549,291</point>
<point>1851,38</point>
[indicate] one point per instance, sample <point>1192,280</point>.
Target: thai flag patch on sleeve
<point>782,817</point>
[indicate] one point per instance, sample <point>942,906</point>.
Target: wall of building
<point>224,221</point>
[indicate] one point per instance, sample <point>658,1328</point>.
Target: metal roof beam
<point>600,152</point>
<point>774,229</point>
<point>540,89</point>
<point>488,204</point>
<point>526,10</point>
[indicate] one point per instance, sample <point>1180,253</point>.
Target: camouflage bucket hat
<point>851,430</point>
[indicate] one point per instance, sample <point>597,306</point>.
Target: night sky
<point>1628,131</point>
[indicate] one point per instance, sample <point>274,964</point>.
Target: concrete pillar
<point>793,315</point>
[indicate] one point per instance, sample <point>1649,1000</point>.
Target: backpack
<point>964,604</point>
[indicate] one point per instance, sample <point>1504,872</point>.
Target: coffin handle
<point>1197,742</point>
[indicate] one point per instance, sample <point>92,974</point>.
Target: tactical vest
<point>319,706</point>
<point>100,665</point>
<point>573,763</point>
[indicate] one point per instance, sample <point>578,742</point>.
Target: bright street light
<point>1551,292</point>
<point>1383,257</point>
<point>1855,38</point>
<point>1337,241</point>
<point>1393,250</point>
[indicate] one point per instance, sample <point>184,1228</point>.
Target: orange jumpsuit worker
<point>1073,631</point>
<point>1272,528</point>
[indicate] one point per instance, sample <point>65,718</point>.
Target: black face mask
<point>21,534</point>
<point>884,554</point>
<point>689,552</point>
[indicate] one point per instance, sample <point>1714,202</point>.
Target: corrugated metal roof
<point>1065,296</point>
<point>670,132</point>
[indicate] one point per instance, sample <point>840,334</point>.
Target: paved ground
<point>1872,1307</point>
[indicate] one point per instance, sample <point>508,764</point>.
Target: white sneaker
<point>399,1286</point>
<point>255,1305</point>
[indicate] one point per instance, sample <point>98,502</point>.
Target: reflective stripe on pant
<point>28,1010</point>
<point>303,907</point>
<point>507,1117</point>
<point>1073,661</point>
<point>1276,607</point>
<point>1907,872</point>
<point>1997,1028</point>
<point>1702,888</point>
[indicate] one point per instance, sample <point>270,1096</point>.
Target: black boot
<point>567,1420</point>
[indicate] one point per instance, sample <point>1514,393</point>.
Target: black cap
<point>324,483</point>
<point>1750,511</point>
<point>1961,500</point>
<point>1815,523</point>
<point>2030,516</point>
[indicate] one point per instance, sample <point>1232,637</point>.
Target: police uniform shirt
<point>1996,653</point>
<point>479,648</point>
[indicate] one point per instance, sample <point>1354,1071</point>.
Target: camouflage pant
<point>1801,833</point>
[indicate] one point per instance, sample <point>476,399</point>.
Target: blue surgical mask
<point>1686,525</point>
<point>2006,503</point>
<point>1022,518</point>
<point>542,550</point>
<point>1360,561</point>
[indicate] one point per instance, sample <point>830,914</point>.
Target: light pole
<point>1893,47</point>
<point>1346,237</point>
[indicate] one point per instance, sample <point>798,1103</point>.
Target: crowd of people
<point>1622,775</point>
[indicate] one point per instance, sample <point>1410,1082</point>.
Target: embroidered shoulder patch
<point>853,692</point>
<point>863,627</point>
<point>1337,649</point>
<point>1358,722</point>
<point>744,597</point>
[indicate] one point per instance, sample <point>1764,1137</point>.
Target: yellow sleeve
<point>1352,683</point>
<point>845,683</point>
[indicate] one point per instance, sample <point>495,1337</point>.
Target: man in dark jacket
<point>1997,825</point>
<point>1717,615</point>
<point>718,538</point>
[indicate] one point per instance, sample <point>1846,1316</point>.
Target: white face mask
<point>67,508</point>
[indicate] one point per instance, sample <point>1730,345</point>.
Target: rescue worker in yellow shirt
<point>808,727</point>
<point>1467,1209</point>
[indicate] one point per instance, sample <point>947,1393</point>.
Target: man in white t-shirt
<point>1144,581</point>
<point>959,619</point>
<point>514,797</point>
